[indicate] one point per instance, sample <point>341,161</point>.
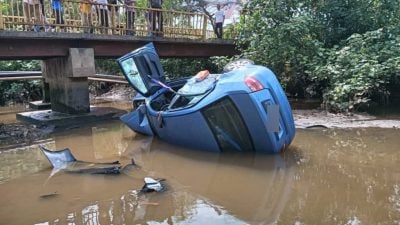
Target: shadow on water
<point>253,187</point>
<point>203,187</point>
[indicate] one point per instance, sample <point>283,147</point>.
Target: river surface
<point>331,176</point>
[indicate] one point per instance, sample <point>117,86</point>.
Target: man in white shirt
<point>219,21</point>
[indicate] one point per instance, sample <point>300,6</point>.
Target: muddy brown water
<point>334,176</point>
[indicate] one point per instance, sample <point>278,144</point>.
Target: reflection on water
<point>325,177</point>
<point>7,113</point>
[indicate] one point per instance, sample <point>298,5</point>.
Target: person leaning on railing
<point>102,10</point>
<point>57,6</point>
<point>32,8</point>
<point>156,17</point>
<point>85,6</point>
<point>114,9</point>
<point>130,16</point>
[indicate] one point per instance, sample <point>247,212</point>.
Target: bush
<point>184,67</point>
<point>359,69</point>
<point>346,52</point>
<point>23,90</point>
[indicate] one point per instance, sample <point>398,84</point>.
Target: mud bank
<point>116,92</point>
<point>24,134</point>
<point>19,134</point>
<point>315,118</point>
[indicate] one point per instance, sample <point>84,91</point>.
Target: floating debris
<point>49,195</point>
<point>149,203</point>
<point>151,185</point>
<point>64,160</point>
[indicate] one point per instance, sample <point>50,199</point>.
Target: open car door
<point>140,67</point>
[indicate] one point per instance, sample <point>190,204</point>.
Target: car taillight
<point>253,83</point>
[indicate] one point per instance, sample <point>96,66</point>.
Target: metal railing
<point>110,19</point>
<point>36,75</point>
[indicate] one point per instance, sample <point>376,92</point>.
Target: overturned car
<point>242,109</point>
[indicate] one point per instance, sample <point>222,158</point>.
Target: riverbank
<point>320,118</point>
<point>19,134</point>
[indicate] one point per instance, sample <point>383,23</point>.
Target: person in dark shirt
<point>130,16</point>
<point>156,17</point>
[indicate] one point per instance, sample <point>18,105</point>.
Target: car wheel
<point>237,64</point>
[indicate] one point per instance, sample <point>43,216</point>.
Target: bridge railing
<point>109,19</point>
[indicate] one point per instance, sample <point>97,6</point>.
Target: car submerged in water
<point>242,109</point>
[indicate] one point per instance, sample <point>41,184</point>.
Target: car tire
<point>239,63</point>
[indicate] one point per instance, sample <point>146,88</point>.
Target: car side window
<point>228,126</point>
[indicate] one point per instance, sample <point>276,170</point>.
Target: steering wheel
<point>237,64</point>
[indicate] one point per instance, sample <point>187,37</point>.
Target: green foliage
<point>173,67</point>
<point>360,69</point>
<point>167,4</point>
<point>343,18</point>
<point>343,51</point>
<point>20,91</point>
<point>20,65</point>
<point>221,61</point>
<point>184,67</point>
<point>107,66</point>
<point>283,39</point>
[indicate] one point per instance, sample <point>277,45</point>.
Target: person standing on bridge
<point>85,7</point>
<point>219,21</point>
<point>156,17</point>
<point>57,7</point>
<point>32,9</point>
<point>130,16</point>
<point>103,15</point>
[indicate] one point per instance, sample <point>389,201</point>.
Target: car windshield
<point>132,73</point>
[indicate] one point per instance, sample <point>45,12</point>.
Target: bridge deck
<point>176,34</point>
<point>42,45</point>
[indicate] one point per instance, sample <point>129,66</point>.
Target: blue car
<point>242,109</point>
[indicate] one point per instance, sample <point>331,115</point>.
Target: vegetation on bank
<point>346,52</point>
<point>22,90</point>
<point>30,90</point>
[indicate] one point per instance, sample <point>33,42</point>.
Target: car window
<point>132,73</point>
<point>228,126</point>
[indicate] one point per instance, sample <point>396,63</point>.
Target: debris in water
<point>149,203</point>
<point>151,185</point>
<point>49,195</point>
<point>64,160</point>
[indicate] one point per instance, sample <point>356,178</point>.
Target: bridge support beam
<point>46,92</point>
<point>68,80</point>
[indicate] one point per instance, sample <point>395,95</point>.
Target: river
<point>327,176</point>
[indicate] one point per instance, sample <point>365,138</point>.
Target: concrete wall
<point>67,78</point>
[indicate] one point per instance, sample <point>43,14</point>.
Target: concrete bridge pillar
<point>68,80</point>
<point>46,92</point>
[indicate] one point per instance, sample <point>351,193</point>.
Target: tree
<point>208,8</point>
<point>311,46</point>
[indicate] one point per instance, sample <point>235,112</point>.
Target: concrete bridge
<point>45,45</point>
<point>110,32</point>
<point>69,42</point>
